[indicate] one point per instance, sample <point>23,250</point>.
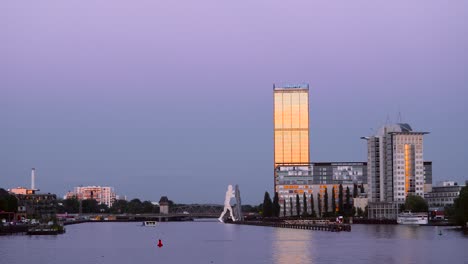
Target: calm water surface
<point>213,242</point>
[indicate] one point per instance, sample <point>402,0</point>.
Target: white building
<point>103,195</point>
<point>443,195</point>
<point>395,169</point>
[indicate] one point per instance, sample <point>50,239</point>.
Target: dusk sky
<point>175,97</point>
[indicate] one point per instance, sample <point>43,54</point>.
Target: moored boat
<point>149,223</point>
<point>409,218</point>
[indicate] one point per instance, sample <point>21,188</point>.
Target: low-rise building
<point>37,205</point>
<point>293,180</point>
<point>443,195</point>
<point>22,190</point>
<point>164,205</point>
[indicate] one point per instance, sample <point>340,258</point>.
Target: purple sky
<point>170,98</point>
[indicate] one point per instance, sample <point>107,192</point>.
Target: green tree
<point>312,208</point>
<point>90,206</point>
<point>71,205</point>
<point>3,204</point>
<point>319,204</point>
<point>290,206</point>
<point>333,202</point>
<point>340,199</point>
<point>347,205</point>
<point>119,207</point>
<point>260,209</point>
<point>449,212</point>
<point>352,211</point>
<point>102,208</point>
<point>284,207</point>
<point>325,202</point>
<point>360,212</point>
<point>267,206</point>
<point>249,208</point>
<point>355,190</point>
<point>12,203</point>
<point>298,205</point>
<point>304,202</point>
<point>135,206</point>
<point>8,202</point>
<point>276,206</point>
<point>460,207</point>
<point>415,203</point>
<point>147,207</point>
<point>402,207</point>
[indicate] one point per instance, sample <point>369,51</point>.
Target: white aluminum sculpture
<point>227,204</point>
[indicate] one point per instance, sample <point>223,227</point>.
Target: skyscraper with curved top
<point>291,124</point>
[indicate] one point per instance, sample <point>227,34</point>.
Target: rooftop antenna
<point>387,122</point>
<point>399,117</point>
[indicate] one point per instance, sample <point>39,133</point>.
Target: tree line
<point>344,206</point>
<point>8,202</point>
<point>458,212</point>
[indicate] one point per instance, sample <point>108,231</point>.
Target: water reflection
<point>192,242</point>
<point>292,246</point>
<point>382,231</point>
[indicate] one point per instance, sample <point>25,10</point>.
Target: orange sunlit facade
<point>291,124</point>
<point>22,190</point>
<point>409,172</point>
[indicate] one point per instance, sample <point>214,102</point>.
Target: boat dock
<point>46,230</point>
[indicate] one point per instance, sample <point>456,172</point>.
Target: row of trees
<point>8,202</point>
<point>344,207</point>
<point>134,206</point>
<point>414,203</point>
<point>458,213</point>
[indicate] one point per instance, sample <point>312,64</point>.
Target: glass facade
<point>291,124</point>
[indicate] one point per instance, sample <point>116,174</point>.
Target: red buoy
<point>160,244</point>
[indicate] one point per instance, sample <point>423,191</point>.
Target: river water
<point>213,242</point>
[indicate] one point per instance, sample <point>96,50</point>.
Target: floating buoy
<point>160,244</point>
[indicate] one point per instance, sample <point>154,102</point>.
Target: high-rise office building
<point>291,124</point>
<point>395,168</point>
<point>427,176</point>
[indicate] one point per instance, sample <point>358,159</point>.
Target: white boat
<point>149,223</point>
<point>409,218</point>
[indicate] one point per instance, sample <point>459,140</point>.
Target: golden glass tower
<point>291,124</point>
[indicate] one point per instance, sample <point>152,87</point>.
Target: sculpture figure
<point>227,203</point>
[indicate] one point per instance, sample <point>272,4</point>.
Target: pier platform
<point>306,225</point>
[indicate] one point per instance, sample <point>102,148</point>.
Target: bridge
<point>177,212</point>
<point>197,210</point>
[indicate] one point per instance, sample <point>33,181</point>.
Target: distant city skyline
<point>154,99</point>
